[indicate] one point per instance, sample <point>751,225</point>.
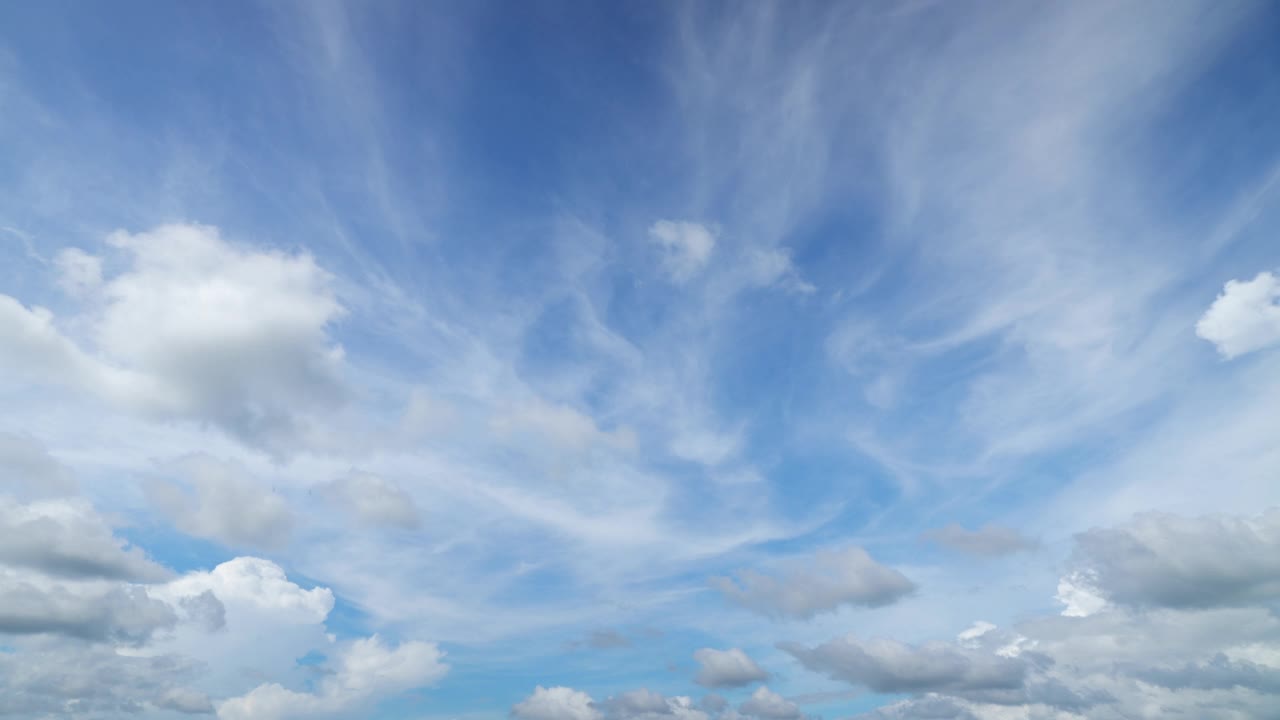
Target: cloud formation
<point>727,668</point>
<point>986,541</point>
<point>1245,317</point>
<point>828,580</point>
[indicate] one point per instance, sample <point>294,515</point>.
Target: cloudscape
<point>626,360</point>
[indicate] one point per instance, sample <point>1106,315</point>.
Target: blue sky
<point>619,361</point>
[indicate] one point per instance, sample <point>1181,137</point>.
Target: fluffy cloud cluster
<point>829,580</point>
<point>563,703</point>
<point>1181,623</point>
<point>193,327</point>
<point>1245,317</point>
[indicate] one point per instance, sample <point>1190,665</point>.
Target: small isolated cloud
<point>768,705</point>
<point>727,668</point>
<point>373,500</point>
<point>221,501</point>
<point>986,541</point>
<point>829,580</point>
<point>1245,317</point>
<point>1160,560</point>
<point>773,267</point>
<point>686,247</point>
<point>557,703</point>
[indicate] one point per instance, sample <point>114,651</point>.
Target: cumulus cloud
<point>197,328</point>
<point>686,247</point>
<point>373,501</point>
<point>1172,561</point>
<point>829,580</point>
<point>557,703</point>
<point>1172,613</point>
<point>768,705</point>
<point>727,668</point>
<point>888,666</point>
<point>67,538</point>
<point>1245,317</point>
<point>220,500</point>
<point>258,583</point>
<point>120,614</point>
<point>987,541</point>
<point>365,670</point>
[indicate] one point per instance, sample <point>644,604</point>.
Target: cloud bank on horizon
<point>657,361</point>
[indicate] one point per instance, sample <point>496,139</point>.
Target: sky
<point>639,360</point>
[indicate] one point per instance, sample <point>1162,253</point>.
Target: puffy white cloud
<point>1245,317</point>
<point>727,668</point>
<point>686,247</point>
<point>67,538</point>
<point>766,704</point>
<point>197,328</point>
<point>373,500</point>
<point>1173,561</point>
<point>987,541</point>
<point>364,671</point>
<point>219,500</point>
<point>827,581</point>
<point>249,582</point>
<point>557,703</point>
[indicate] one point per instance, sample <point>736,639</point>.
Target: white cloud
<point>686,247</point>
<point>727,668</point>
<point>1245,317</point>
<point>565,426</point>
<point>197,328</point>
<point>827,581</point>
<point>557,703</point>
<point>219,500</point>
<point>365,670</point>
<point>249,582</point>
<point>768,705</point>
<point>373,500</point>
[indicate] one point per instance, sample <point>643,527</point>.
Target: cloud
<point>372,500</point>
<point>829,580</point>
<point>888,666</point>
<point>186,701</point>
<point>366,670</point>
<point>120,614</point>
<point>1245,317</point>
<point>1161,560</point>
<point>557,703</point>
<point>987,541</point>
<point>61,679</point>
<point>219,500</point>
<point>79,273</point>
<point>727,668</point>
<point>68,539</point>
<point>564,426</point>
<point>257,583</point>
<point>686,247</point>
<point>768,705</point>
<point>194,328</point>
<point>28,470</point>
